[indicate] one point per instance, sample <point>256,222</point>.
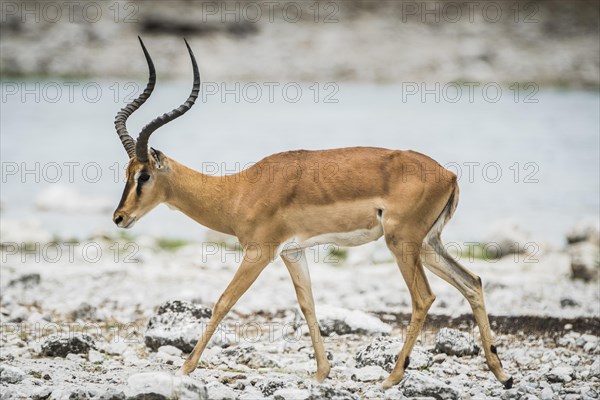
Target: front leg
<point>295,262</point>
<point>254,262</point>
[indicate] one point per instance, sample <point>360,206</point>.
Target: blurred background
<point>504,94</point>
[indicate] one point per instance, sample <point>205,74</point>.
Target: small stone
<point>95,357</point>
<point>61,347</point>
<point>343,321</point>
<point>170,350</point>
<point>245,355</point>
<point>369,374</point>
<point>384,351</point>
<point>547,394</point>
<point>325,391</point>
<point>74,357</point>
<point>111,394</point>
<point>418,384</point>
<point>150,385</point>
<point>250,393</point>
<point>218,391</point>
<point>78,394</point>
<point>179,324</point>
<point>291,394</point>
<point>568,302</point>
<point>440,358</point>
<point>115,349</point>
<point>10,374</point>
<point>269,387</point>
<point>455,343</point>
<point>19,314</point>
<point>41,393</point>
<point>562,373</point>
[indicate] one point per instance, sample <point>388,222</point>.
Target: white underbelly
<point>352,238</point>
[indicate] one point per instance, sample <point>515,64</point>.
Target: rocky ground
<point>120,325</point>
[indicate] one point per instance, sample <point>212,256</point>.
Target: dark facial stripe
<point>138,184</point>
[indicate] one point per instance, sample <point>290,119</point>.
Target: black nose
<point>119,219</point>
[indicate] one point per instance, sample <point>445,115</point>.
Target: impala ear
<point>157,158</point>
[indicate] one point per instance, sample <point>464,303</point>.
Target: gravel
<point>141,315</point>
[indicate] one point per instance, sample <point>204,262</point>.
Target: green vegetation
<point>336,254</point>
<point>168,244</point>
<point>36,374</point>
<point>478,252</point>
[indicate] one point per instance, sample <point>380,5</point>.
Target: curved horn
<point>126,111</point>
<point>141,147</point>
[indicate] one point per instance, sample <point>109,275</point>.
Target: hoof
<point>388,383</point>
<point>322,375</point>
<point>186,369</point>
<point>509,383</point>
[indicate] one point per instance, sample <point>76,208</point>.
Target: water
<point>546,152</point>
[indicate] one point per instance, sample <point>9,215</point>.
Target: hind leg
<point>407,254</point>
<point>443,265</point>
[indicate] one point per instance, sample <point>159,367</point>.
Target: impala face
<point>148,169</point>
<point>144,189</point>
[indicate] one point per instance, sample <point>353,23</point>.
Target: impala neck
<point>204,198</point>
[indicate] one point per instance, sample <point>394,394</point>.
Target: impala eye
<point>143,177</point>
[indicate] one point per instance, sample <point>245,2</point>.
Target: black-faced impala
<point>282,205</point>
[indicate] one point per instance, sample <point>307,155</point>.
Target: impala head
<point>148,169</point>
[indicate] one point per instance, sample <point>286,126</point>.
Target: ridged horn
<point>121,117</point>
<point>141,147</point>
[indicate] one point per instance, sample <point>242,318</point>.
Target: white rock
<point>369,374</point>
<point>150,383</point>
<point>170,350</point>
<point>189,388</point>
<point>37,318</point>
<point>180,324</point>
<point>251,393</point>
<point>95,357</point>
<point>562,373</point>
<point>130,357</point>
<point>10,374</point>
<point>291,394</point>
<point>455,343</point>
<point>547,394</point>
<point>218,391</point>
<point>247,355</point>
<point>344,321</point>
<point>116,348</point>
<point>383,351</point>
<point>19,314</point>
<point>74,357</point>
<point>418,384</point>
